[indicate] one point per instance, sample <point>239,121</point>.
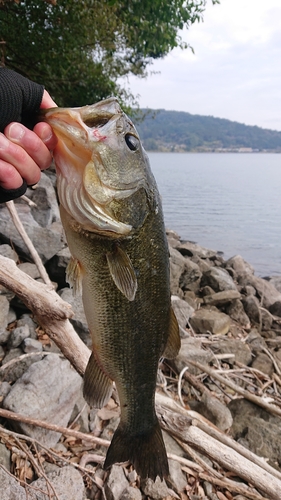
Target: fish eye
<point>132,142</point>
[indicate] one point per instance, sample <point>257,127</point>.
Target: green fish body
<point>112,215</point>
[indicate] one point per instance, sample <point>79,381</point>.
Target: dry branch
<point>246,394</point>
<point>51,311</point>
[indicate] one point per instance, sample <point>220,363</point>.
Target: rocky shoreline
<point>229,319</point>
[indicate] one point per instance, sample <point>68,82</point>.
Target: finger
<point>9,176</point>
<point>30,143</point>
<point>20,159</point>
<point>47,101</point>
<point>45,133</point>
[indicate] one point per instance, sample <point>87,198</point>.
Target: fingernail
<point>4,143</point>
<point>16,131</point>
<point>46,134</point>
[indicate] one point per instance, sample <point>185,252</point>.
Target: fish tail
<point>146,452</point>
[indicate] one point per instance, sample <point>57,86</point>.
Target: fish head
<point>104,178</point>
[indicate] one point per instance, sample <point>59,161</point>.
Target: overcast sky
<point>235,72</point>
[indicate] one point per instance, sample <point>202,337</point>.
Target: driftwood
<point>53,315</point>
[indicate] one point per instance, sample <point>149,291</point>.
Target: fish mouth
<point>85,187</point>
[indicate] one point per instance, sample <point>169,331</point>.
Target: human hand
<point>24,152</point>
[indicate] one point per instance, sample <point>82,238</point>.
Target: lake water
<point>226,202</point>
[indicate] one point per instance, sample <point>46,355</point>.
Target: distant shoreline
<point>215,152</point>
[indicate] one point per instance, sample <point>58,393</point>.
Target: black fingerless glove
<point>20,101</point>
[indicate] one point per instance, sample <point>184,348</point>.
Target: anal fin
<point>174,342</point>
<point>97,387</point>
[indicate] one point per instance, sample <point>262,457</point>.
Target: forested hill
<point>163,130</point>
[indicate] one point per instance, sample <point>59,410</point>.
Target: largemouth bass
<point>112,216</point>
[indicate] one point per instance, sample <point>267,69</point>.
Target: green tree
<point>80,48</point>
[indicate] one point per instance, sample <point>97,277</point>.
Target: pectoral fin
<point>122,272</point>
<point>174,342</point>
<point>97,385</point>
<point>74,275</point>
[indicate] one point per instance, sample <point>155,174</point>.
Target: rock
<point>239,265</point>
<point>172,237</point>
<point>267,293</point>
<point>275,281</point>
<point>67,482</point>
<point>47,391</point>
<point>213,321</point>
<point>7,251</point>
<point>252,309</point>
<point>177,265</point>
<point>155,489</point>
<point>256,342</point>
<point>30,269</point>
<point>189,248</point>
<point>5,456</point>
<point>263,363</point>
<point>275,308</point>
<point>266,319</point>
<point>221,298</point>
<point>79,319</point>
<point>242,352</point>
<point>31,345</point>
<point>177,480</point>
<point>260,429</point>
<point>191,349</point>
<point>218,279</point>
<point>190,277</point>
<point>11,316</point>
<point>4,336</point>
<point>131,493</point>
<point>116,483</point>
<point>17,336</point>
<point>4,390</point>
<point>25,319</point>
<point>4,312</point>
<point>10,487</point>
<point>236,311</point>
<point>182,310</point>
<point>46,211</point>
<point>18,368</point>
<point>212,409</point>
<point>171,445</point>
<point>47,241</point>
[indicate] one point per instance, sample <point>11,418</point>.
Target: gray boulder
<point>218,279</point>
<point>46,240</point>
<point>182,310</point>
<point>10,488</point>
<point>214,321</point>
<point>48,391</point>
<point>67,482</point>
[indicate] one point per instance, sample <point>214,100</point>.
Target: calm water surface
<point>227,202</point>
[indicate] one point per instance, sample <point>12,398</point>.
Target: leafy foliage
<point>176,130</point>
<point>79,49</point>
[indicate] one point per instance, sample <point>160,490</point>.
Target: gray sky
<point>235,72</point>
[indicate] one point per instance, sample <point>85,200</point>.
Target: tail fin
<point>146,452</point>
